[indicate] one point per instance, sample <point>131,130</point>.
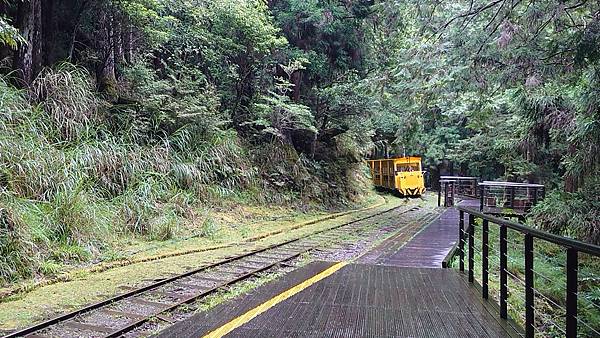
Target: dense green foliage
<point>121,116</point>
<point>128,118</point>
<point>503,88</point>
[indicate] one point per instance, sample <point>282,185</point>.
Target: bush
<point>571,214</point>
<point>13,106</point>
<point>165,226</point>
<point>209,228</point>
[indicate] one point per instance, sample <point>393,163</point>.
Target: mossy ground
<point>85,286</point>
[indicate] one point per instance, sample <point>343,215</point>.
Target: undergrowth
<point>78,173</point>
<point>572,214</point>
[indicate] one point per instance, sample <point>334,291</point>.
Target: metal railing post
<point>461,240</point>
<point>572,269</point>
<point>484,258</point>
<point>445,194</point>
<point>529,291</point>
<point>471,248</point>
<point>503,273</point>
<point>512,197</point>
<point>481,193</point>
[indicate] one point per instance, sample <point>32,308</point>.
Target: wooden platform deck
<point>400,291</point>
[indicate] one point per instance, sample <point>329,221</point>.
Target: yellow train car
<point>404,174</point>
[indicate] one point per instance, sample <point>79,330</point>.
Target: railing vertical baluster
<point>461,240</point>
<point>503,273</point>
<point>445,194</point>
<point>572,269</point>
<point>529,291</point>
<point>573,247</point>
<point>471,248</point>
<point>512,197</point>
<point>481,193</point>
<point>484,258</point>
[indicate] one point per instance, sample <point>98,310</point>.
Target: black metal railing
<point>570,316</point>
<point>495,197</point>
<point>465,186</point>
<point>446,193</point>
<point>453,186</point>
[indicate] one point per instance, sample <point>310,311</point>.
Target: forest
<point>122,117</point>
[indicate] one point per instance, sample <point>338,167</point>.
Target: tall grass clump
<point>219,159</point>
<point>13,106</point>
<point>31,168</point>
<point>75,217</point>
<point>66,95</point>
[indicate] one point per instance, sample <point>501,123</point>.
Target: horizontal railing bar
<point>515,277</point>
<point>563,241</point>
<point>541,295</point>
<point>545,277</point>
<point>589,327</point>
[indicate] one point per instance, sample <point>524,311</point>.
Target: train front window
<point>408,167</point>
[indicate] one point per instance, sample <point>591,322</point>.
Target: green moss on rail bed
<point>87,286</point>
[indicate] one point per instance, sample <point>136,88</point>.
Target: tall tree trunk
<point>75,30</point>
<point>118,41</point>
<point>105,72</point>
<point>128,43</point>
<point>48,32</point>
<point>28,59</point>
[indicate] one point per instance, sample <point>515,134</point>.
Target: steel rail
<point>134,325</point>
<point>70,315</point>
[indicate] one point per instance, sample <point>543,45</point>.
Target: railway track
<point>125,312</point>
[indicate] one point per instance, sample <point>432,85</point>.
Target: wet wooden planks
<point>361,301</point>
<point>428,248</point>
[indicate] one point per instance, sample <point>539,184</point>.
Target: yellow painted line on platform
<point>248,316</point>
